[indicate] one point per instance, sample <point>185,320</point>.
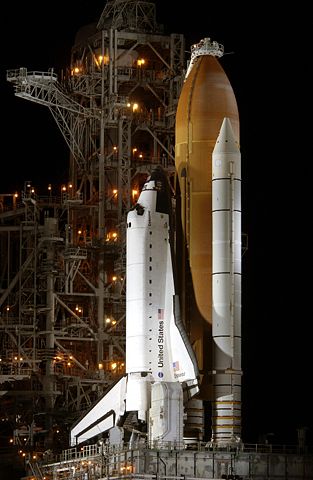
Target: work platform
<point>203,461</point>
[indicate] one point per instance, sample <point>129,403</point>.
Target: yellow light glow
<point>113,365</point>
<point>111,236</point>
<point>135,107</point>
<point>102,59</point>
<point>114,278</point>
<point>100,366</point>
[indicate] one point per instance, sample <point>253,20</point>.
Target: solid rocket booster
<point>226,287</point>
<point>157,348</point>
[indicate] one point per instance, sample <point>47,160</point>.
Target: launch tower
<point>63,254</point>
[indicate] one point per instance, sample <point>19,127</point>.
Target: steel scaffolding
<point>62,297</point>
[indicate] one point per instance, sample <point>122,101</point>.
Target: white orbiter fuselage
<point>156,347</point>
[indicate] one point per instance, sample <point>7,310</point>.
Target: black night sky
<point>267,62</point>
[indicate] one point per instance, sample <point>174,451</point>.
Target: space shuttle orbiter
<point>161,368</point>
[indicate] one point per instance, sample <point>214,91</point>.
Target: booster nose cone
<point>226,153</point>
<point>226,142</point>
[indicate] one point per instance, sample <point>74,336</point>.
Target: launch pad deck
<point>202,461</point>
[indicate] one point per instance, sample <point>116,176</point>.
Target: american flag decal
<point>160,314</point>
<point>176,366</point>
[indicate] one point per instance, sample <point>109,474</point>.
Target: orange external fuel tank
<point>206,98</point>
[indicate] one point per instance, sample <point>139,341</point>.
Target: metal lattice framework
<point>131,14</point>
<point>117,117</point>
